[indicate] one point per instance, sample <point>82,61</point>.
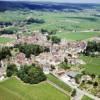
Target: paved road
<point>79,91</point>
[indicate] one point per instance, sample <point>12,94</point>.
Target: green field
<point>59,83</point>
<point>60,21</point>
<point>92,64</point>
<point>13,89</point>
<point>77,36</point>
<point>5,40</point>
<point>86,98</point>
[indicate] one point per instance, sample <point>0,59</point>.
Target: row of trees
<point>54,39</point>
<point>29,49</point>
<point>29,74</point>
<point>5,31</point>
<point>4,52</point>
<point>92,47</point>
<point>52,32</point>
<point>33,20</point>
<point>6,23</point>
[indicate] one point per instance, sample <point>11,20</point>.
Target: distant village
<point>49,61</point>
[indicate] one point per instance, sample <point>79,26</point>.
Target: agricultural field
<point>5,40</point>
<point>77,35</point>
<point>63,22</point>
<point>13,89</point>
<point>59,83</point>
<point>86,98</point>
<point>92,64</point>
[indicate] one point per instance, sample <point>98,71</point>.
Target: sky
<point>72,1</point>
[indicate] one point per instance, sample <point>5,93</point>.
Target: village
<point>50,61</point>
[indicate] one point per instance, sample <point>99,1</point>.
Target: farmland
<point>59,83</point>
<point>13,89</point>
<point>64,23</point>
<point>92,64</point>
<point>77,35</point>
<point>86,98</point>
<point>40,38</point>
<point>5,40</point>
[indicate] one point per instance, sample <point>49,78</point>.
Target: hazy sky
<point>73,1</point>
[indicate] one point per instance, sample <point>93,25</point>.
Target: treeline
<point>33,20</point>
<point>6,24</point>
<point>92,48</point>
<point>5,52</point>
<point>52,32</point>
<point>29,49</point>
<point>22,22</point>
<point>7,31</point>
<point>32,74</point>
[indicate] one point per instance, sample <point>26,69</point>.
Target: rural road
<point>80,92</point>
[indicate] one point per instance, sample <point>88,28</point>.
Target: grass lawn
<point>77,36</point>
<point>13,89</point>
<point>5,40</point>
<point>92,64</point>
<point>59,83</point>
<point>86,98</point>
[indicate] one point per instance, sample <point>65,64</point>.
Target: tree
<point>31,74</point>
<point>48,37</point>
<point>55,39</point>
<point>77,78</point>
<point>91,48</point>
<point>43,31</point>
<point>64,65</point>
<point>73,93</point>
<point>95,84</point>
<point>4,52</point>
<point>93,76</point>
<point>29,49</point>
<point>11,70</point>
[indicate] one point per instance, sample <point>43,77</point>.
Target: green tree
<point>29,49</point>
<point>55,39</point>
<point>31,74</point>
<point>4,52</point>
<point>73,93</point>
<point>11,70</point>
<point>64,65</point>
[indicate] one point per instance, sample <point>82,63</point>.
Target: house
<point>46,69</point>
<point>86,78</point>
<point>72,74</point>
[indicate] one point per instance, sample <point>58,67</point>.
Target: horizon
<point>58,1</point>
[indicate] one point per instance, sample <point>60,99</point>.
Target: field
<point>86,98</point>
<point>5,40</point>
<point>77,35</point>
<point>92,64</point>
<point>13,89</point>
<point>63,22</point>
<point>59,83</point>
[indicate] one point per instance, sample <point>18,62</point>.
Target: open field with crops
<point>59,83</point>
<point>86,98</point>
<point>5,40</point>
<point>92,64</point>
<point>63,22</point>
<point>13,89</point>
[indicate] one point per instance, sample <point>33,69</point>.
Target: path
<point>80,92</point>
<point>56,86</point>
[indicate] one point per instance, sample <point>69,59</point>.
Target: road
<point>80,93</point>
